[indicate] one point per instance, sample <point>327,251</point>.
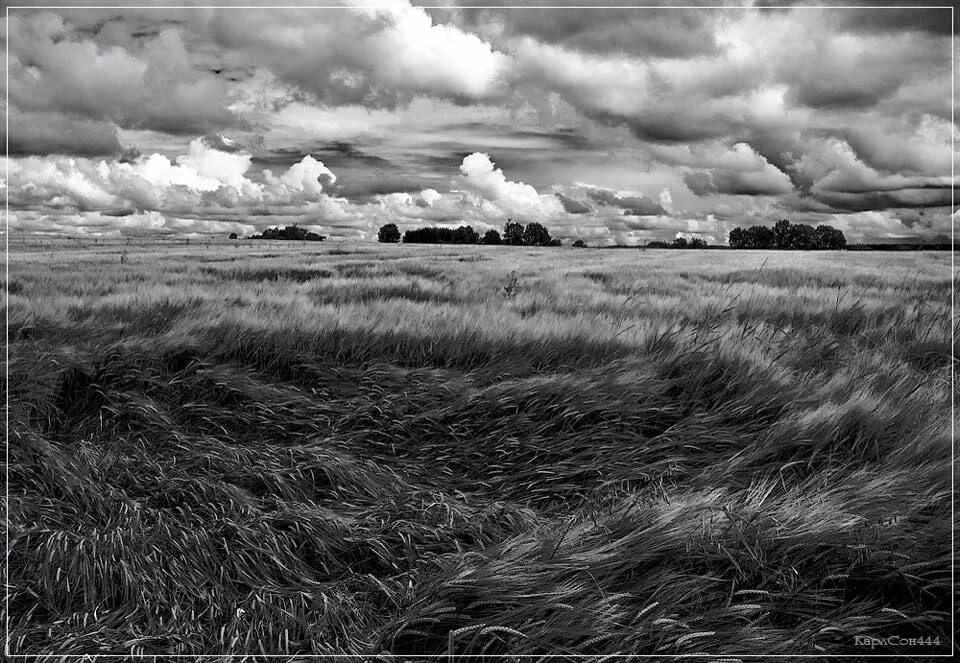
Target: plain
<point>273,447</point>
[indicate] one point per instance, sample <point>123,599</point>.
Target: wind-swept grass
<point>376,451</point>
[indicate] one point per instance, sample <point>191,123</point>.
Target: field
<point>247,448</point>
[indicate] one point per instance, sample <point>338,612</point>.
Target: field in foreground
<point>275,448</point>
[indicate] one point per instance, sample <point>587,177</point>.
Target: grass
<point>446,451</point>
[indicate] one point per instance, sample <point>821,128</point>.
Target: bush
<point>233,235</point>
<point>579,244</point>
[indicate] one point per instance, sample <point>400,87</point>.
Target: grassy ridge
<point>222,450</point>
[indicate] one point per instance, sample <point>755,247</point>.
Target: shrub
<point>579,244</point>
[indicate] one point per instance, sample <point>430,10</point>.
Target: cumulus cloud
<point>204,182</point>
<point>153,86</point>
<point>480,176</point>
<point>378,56</point>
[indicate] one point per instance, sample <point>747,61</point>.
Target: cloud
<point>53,68</point>
<point>573,206</point>
<point>735,115</point>
<point>630,203</point>
<point>138,224</point>
<point>670,32</point>
<point>54,133</point>
<point>892,20</point>
<point>428,197</point>
<point>378,56</point>
<point>204,182</point>
<point>514,198</point>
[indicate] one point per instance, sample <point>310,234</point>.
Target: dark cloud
<point>882,200</point>
<point>700,182</point>
<point>896,19</point>
<point>53,133</point>
<point>336,153</point>
<point>635,204</point>
<point>674,33</point>
<point>750,183</point>
<point>573,206</point>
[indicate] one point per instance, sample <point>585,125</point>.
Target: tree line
<point>294,233</point>
<point>786,235</point>
<point>514,234</point>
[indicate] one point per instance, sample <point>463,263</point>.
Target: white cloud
<point>377,55</point>
<point>514,198</point>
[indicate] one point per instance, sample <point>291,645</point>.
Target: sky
<point>614,126</point>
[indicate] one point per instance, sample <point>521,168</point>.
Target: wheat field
<point>272,448</point>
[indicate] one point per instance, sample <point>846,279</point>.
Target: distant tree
<point>513,233</point>
<point>781,234</point>
<point>579,244</point>
<point>802,237</point>
<point>698,243</point>
<point>736,238</point>
<point>233,235</point>
<point>535,234</point>
<point>465,235</point>
<point>829,238</point>
<point>388,233</point>
<point>754,237</point>
<point>294,232</point>
<point>680,243</point>
<point>491,237</point>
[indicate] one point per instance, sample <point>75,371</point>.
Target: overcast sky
<point>609,125</point>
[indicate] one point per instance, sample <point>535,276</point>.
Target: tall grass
<point>240,449</point>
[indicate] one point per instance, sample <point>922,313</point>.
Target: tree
<point>801,237</point>
<point>465,235</point>
<point>829,238</point>
<point>781,234</point>
<point>680,243</point>
<point>535,234</point>
<point>760,237</point>
<point>579,244</point>
<point>513,233</point>
<point>491,237</point>
<point>294,232</point>
<point>698,243</point>
<point>736,239</point>
<point>233,235</point>
<point>388,233</point>
<point>755,237</point>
